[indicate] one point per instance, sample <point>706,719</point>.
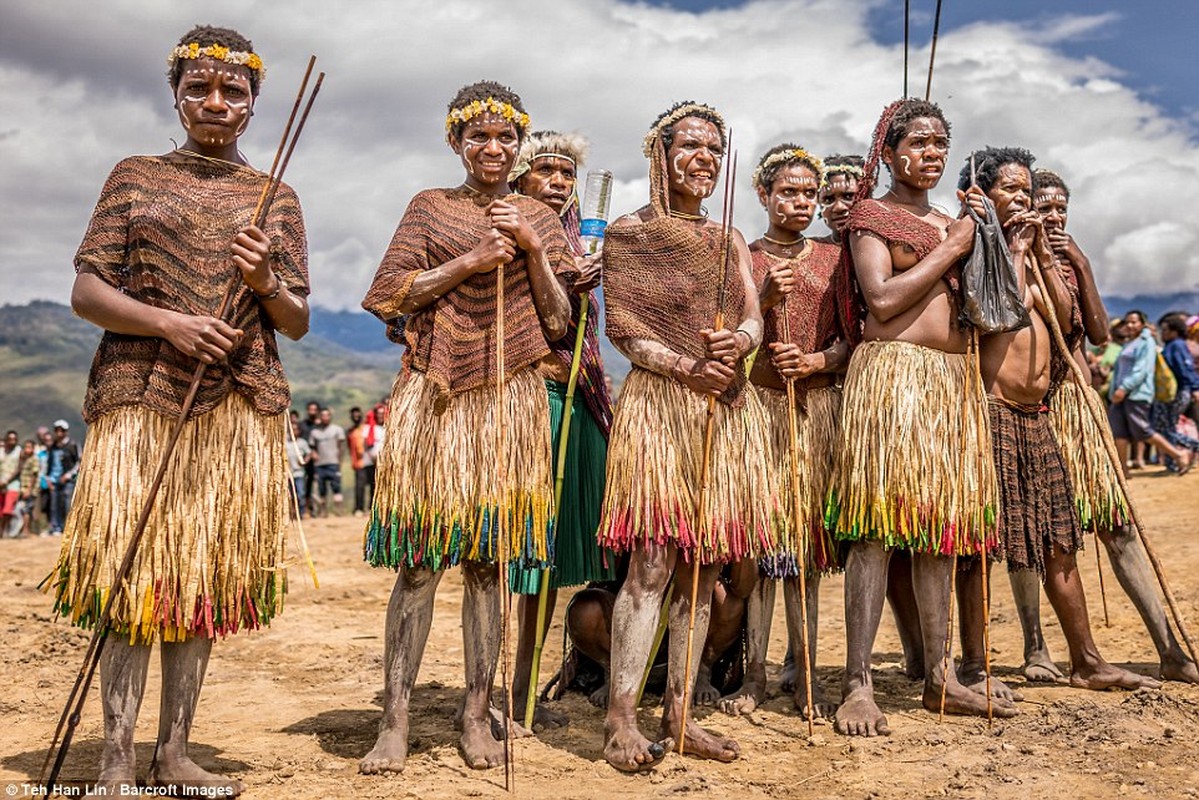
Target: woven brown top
<point>661,283</point>
<point>811,308</point>
<point>452,340</point>
<point>161,234</point>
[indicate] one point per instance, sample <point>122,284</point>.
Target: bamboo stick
<point>501,528</point>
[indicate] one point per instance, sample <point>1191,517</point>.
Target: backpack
<point>1164,382</point>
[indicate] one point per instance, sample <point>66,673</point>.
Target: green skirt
<point>577,559</point>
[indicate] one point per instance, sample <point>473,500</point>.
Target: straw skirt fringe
<point>913,469</point>
<point>819,429</point>
<point>655,455</point>
<point>211,561</point>
<point>437,486</point>
<point>1097,494</point>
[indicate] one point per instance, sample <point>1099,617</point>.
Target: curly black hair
<point>481,90</point>
<point>205,35</point>
<point>909,112</point>
<point>987,163</point>
<point>701,113</point>
<point>767,176</point>
<point>1048,179</point>
<point>1174,321</point>
<point>837,160</point>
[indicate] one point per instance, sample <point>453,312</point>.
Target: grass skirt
<point>655,456</point>
<point>577,558</point>
<point>211,561</point>
<point>1097,494</point>
<point>437,493</point>
<point>913,469</point>
<point>819,429</point>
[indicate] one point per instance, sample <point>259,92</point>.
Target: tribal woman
<point>168,236</point>
<point>438,487</point>
<point>803,342</point>
<point>547,170</point>
<point>663,280</point>
<point>838,187</point>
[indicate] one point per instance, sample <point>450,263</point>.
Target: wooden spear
<point>73,710</point>
<point>932,55</point>
<point>726,230</point>
<point>501,526</point>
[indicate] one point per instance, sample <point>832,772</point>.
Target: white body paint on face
<point>695,156</point>
<point>907,165</point>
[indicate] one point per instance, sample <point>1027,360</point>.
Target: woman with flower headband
<point>838,187</point>
<point>168,234</point>
<point>797,277</point>
<point>912,470</point>
<point>663,273</point>
<point>437,494</point>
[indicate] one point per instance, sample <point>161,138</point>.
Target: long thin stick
<point>1098,415</point>
<point>543,591</point>
<point>726,227</point>
<point>932,55</point>
<point>975,367</point>
<point>659,635</point>
<point>72,711</point>
<point>800,530</point>
<point>501,526</point>
<point>1107,621</point>
<point>907,8</point>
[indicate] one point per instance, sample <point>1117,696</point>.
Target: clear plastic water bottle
<point>597,201</point>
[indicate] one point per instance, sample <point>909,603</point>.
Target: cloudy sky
<point>1100,91</point>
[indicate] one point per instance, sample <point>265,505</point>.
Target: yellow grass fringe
<point>1097,492</point>
<point>655,454</point>
<point>914,468</point>
<point>819,432</point>
<point>437,497</point>
<point>212,559</point>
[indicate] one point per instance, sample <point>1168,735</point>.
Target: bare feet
<point>975,679</point>
<point>500,732</point>
<point>389,753</point>
<point>599,698</point>
<point>545,719</point>
<point>1039,667</point>
<point>859,715</point>
<point>116,771</point>
<point>961,700</point>
<point>182,771</point>
<point>1106,676</point>
<point>787,676</point>
<point>822,707</point>
<point>1179,668</point>
<point>480,749</point>
<point>627,750</point>
<point>702,744</point>
<point>744,701</point>
<point>705,693</point>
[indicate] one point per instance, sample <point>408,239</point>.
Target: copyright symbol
<point>11,790</point>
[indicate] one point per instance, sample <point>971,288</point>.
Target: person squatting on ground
<point>437,496</point>
<point>663,274</point>
<point>204,569</point>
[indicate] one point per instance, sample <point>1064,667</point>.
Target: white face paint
<point>695,156</point>
<point>907,165</point>
<point>214,102</point>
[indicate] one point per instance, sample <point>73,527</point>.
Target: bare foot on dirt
<point>545,719</point>
<point>183,772</point>
<point>1106,676</point>
<point>1179,668</point>
<point>116,771</point>
<point>822,707</point>
<point>976,680</point>
<point>859,715</point>
<point>480,749</point>
<point>787,676</point>
<point>744,701</point>
<point>705,693</point>
<point>961,700</point>
<point>702,744</point>
<point>1039,667</point>
<point>627,750</point>
<point>599,698</point>
<point>500,732</point>
<point>389,753</point>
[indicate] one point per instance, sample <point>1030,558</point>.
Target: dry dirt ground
<point>292,709</point>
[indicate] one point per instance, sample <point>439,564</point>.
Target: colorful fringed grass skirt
<point>211,561</point>
<point>818,431</point>
<point>913,469</point>
<point>577,558</point>
<point>1097,494</point>
<point>655,455</point>
<point>437,488</point>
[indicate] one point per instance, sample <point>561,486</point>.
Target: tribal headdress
<point>240,58</point>
<point>654,146</point>
<point>544,144</point>
<point>848,165</point>
<point>778,157</point>
<point>476,108</point>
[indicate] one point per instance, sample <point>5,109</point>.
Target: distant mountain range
<point>345,360</point>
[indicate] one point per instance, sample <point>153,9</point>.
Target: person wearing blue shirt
<point>1178,358</point>
<point>1131,394</point>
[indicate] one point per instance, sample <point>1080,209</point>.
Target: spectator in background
<point>1180,361</point>
<point>10,484</point>
<point>299,456</point>
<point>354,437</point>
<point>1131,394</point>
<point>30,472</point>
<point>312,413</point>
<point>45,440</point>
<point>328,441</point>
<point>369,436</point>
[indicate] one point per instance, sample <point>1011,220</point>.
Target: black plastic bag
<point>991,300</point>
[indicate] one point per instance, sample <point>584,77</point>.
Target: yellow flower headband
<point>841,169</point>
<point>647,146</point>
<point>240,58</point>
<point>478,107</point>
<point>783,156</point>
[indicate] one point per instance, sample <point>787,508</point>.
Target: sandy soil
<point>291,710</point>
